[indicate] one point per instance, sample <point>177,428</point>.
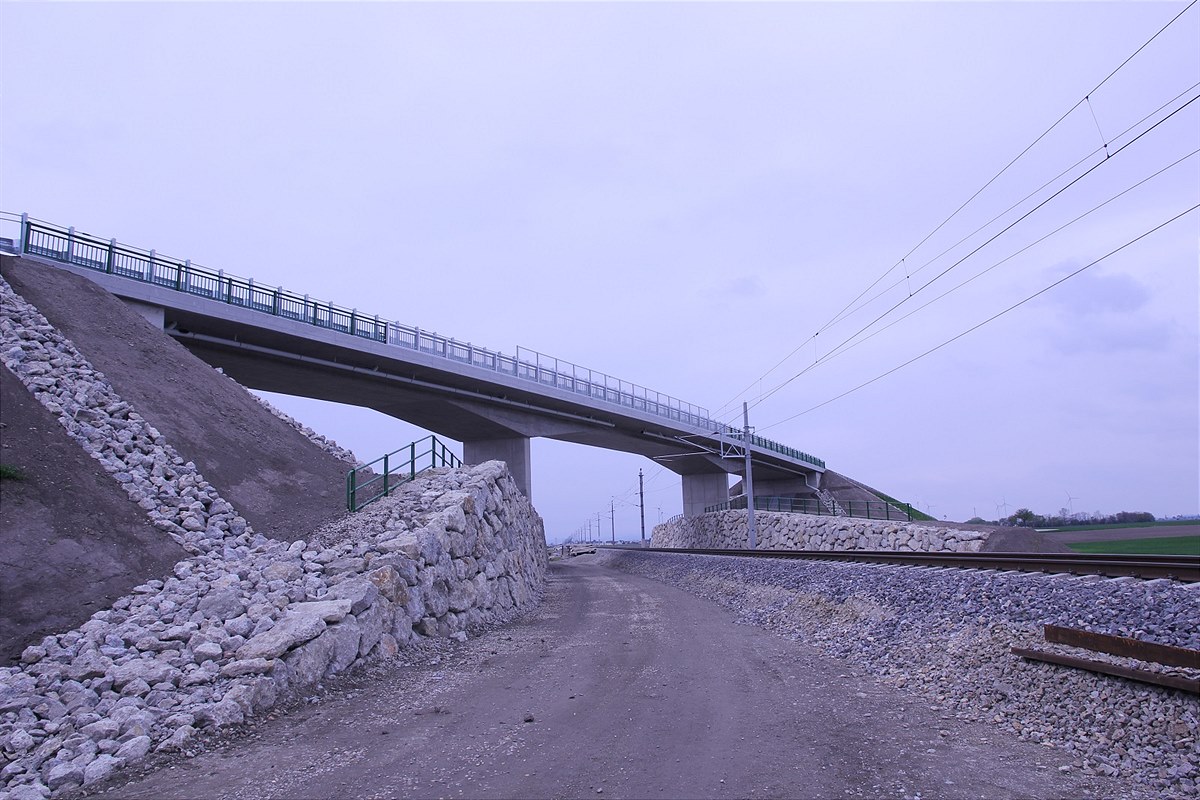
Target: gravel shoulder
<point>616,686</point>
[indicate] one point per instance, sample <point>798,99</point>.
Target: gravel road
<point>616,686</point>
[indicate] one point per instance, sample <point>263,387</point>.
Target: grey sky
<point>678,195</point>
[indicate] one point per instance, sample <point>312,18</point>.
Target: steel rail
<point>1185,569</point>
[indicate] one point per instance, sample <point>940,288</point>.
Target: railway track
<point>1185,569</point>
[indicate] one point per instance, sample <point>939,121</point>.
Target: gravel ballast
<point>945,634</point>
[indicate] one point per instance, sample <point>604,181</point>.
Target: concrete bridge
<point>274,340</point>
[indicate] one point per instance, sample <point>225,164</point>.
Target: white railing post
<point>23,238</point>
<point>150,268</point>
<point>70,242</point>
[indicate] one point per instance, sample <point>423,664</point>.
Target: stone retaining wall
<point>228,635</point>
<point>245,620</point>
<point>788,531</point>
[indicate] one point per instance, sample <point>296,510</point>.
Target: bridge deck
<point>275,340</point>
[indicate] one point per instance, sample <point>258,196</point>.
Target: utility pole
<point>599,528</point>
<point>749,482</point>
<point>612,518</point>
<point>642,504</point>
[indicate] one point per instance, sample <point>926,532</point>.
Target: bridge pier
<point>704,489</point>
<point>514,451</point>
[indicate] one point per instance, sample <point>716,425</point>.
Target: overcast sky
<point>681,195</point>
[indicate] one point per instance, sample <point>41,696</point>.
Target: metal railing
<point>863,509</point>
<point>364,485</point>
<point>67,245</point>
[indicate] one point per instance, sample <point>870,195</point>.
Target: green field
<point>1163,546</point>
<point>1120,525</point>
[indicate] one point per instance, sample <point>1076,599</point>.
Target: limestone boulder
<point>290,631</point>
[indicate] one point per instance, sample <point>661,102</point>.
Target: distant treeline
<point>1024,518</point>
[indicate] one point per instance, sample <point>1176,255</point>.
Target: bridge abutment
<point>513,451</point>
<point>155,315</point>
<point>786,486</point>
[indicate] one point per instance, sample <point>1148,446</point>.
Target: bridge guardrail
<point>862,509</point>
<point>67,245</point>
<point>364,486</point>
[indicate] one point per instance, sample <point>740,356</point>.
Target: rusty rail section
<point>1166,654</point>
<point>1162,654</point>
<point>1185,569</point>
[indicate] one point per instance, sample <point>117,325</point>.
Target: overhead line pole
<point>642,504</point>
<point>749,482</point>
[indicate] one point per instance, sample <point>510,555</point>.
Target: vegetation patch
<point>917,516</point>
<point>1163,545</point>
<point>11,473</point>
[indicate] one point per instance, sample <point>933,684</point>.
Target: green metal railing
<point>364,485</point>
<point>68,245</point>
<point>863,509</point>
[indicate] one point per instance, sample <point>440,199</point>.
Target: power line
<point>986,321</point>
<point>931,260</point>
<point>840,350</point>
<point>941,274</point>
<point>1022,200</point>
<point>839,315</point>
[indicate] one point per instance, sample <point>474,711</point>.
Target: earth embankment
<point>70,541</point>
<point>281,482</point>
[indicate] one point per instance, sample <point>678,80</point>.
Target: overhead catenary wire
<point>992,318</point>
<point>845,347</point>
<point>909,273</point>
<point>840,314</point>
<point>1086,99</point>
<point>841,346</point>
<point>984,226</point>
<point>944,272</point>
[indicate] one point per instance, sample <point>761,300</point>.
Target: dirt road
<point>617,686</point>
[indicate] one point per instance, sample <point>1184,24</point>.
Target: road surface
<point>616,687</point>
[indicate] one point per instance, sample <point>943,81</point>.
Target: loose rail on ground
<point>1185,569</point>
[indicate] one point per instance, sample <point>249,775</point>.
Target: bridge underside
<point>489,427</point>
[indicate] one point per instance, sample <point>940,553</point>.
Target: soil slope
<point>71,542</point>
<point>276,478</point>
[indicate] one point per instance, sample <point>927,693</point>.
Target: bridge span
<point>275,340</point>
